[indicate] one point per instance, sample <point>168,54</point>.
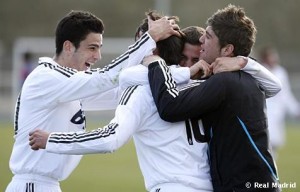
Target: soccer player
<point>56,92</point>
<point>230,104</point>
<point>168,160</point>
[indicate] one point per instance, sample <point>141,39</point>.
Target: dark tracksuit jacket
<point>232,108</point>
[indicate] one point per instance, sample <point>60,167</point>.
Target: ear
<point>68,47</point>
<point>227,50</point>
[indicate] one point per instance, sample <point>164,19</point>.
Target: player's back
<point>164,153</point>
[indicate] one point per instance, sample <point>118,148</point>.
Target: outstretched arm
<point>102,140</point>
<point>138,75</point>
<point>80,85</point>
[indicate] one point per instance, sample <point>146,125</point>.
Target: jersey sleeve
<point>83,84</point>
<point>141,48</point>
<point>107,139</point>
<point>138,75</point>
<point>174,105</point>
<point>268,81</point>
<point>181,75</point>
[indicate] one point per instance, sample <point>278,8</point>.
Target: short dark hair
<point>232,26</point>
<point>169,49</point>
<point>193,34</point>
<point>75,26</point>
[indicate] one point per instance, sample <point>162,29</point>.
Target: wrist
<point>153,35</point>
<point>242,61</point>
<point>193,70</point>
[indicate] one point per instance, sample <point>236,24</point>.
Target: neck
<point>61,60</point>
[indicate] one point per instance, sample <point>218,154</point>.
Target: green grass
<point>288,162</point>
<point>120,171</point>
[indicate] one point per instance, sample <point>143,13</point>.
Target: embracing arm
<point>138,75</point>
<point>102,140</point>
<point>268,81</point>
<point>191,102</point>
<point>65,84</point>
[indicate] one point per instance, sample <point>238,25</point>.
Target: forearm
<point>89,83</point>
<point>140,49</point>
<point>181,75</point>
<point>101,140</point>
<point>191,102</point>
<point>133,56</point>
<point>96,141</point>
<point>269,82</point>
<point>170,105</point>
<point>138,75</point>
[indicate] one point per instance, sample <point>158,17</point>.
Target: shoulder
<point>230,75</point>
<point>230,78</point>
<point>130,94</point>
<point>137,98</point>
<point>44,79</point>
<point>221,77</point>
<point>48,65</point>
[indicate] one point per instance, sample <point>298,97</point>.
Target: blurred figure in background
<point>281,104</point>
<point>27,67</point>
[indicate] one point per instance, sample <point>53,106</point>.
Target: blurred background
<point>27,32</point>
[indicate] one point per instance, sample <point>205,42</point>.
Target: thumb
<point>213,64</point>
<point>214,67</point>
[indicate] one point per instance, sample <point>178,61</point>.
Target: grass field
<point>120,171</point>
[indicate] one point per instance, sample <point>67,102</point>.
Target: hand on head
<point>162,28</point>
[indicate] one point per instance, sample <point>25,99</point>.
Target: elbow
<point>275,90</point>
<point>272,93</point>
<point>166,116</point>
<point>278,87</point>
<point>114,147</point>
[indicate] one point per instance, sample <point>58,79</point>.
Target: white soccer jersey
<point>50,100</point>
<point>164,152</point>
